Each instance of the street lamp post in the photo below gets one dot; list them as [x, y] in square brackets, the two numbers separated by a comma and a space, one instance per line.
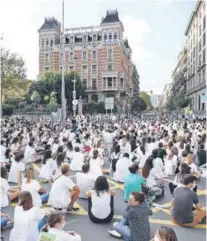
[74, 97]
[63, 102]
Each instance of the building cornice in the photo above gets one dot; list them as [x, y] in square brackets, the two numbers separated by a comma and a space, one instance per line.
[192, 16]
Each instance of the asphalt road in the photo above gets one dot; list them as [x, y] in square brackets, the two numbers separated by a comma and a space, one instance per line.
[80, 223]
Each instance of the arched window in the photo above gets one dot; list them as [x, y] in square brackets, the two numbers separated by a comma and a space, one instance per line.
[115, 36]
[51, 42]
[105, 37]
[110, 36]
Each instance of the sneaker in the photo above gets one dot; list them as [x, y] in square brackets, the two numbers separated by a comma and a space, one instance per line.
[10, 224]
[114, 233]
[72, 209]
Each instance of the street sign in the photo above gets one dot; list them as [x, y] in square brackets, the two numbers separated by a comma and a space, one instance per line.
[74, 107]
[75, 102]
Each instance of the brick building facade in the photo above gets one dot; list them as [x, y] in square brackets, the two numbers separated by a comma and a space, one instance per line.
[100, 55]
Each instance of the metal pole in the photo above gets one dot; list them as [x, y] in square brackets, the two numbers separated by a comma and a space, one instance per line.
[63, 68]
[1, 111]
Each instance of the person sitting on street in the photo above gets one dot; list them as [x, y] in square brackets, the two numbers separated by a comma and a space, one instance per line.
[183, 202]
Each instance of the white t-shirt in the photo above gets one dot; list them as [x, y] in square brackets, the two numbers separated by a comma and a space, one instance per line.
[47, 169]
[29, 154]
[60, 192]
[4, 190]
[2, 153]
[16, 167]
[33, 187]
[77, 161]
[26, 224]
[122, 170]
[95, 168]
[101, 204]
[85, 183]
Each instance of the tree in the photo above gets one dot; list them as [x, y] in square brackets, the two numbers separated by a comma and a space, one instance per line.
[52, 82]
[138, 104]
[53, 101]
[13, 74]
[36, 97]
[146, 98]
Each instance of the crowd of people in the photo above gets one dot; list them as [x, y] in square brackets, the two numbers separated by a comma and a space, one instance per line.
[140, 154]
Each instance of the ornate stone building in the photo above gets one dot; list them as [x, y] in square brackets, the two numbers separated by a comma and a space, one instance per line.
[100, 55]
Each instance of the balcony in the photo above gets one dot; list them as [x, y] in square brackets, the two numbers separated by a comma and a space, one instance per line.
[110, 73]
[110, 88]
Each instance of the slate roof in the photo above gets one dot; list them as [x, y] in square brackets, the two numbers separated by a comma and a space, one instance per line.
[111, 17]
[49, 24]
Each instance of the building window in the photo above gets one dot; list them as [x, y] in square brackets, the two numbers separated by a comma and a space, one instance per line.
[110, 53]
[71, 68]
[122, 83]
[43, 43]
[110, 83]
[199, 30]
[204, 75]
[199, 77]
[194, 52]
[199, 45]
[204, 56]
[110, 67]
[94, 98]
[47, 58]
[51, 42]
[94, 69]
[84, 69]
[199, 102]
[204, 22]
[84, 38]
[110, 36]
[47, 68]
[94, 54]
[85, 83]
[105, 37]
[94, 84]
[71, 39]
[115, 36]
[204, 39]
[84, 54]
[71, 55]
[47, 43]
[114, 82]
[94, 37]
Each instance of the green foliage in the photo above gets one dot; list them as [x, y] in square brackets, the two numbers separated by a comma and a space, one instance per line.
[53, 101]
[146, 98]
[93, 107]
[35, 96]
[138, 104]
[46, 98]
[8, 109]
[51, 82]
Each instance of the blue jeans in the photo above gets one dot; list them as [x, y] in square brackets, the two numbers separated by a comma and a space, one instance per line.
[42, 223]
[4, 222]
[45, 197]
[123, 229]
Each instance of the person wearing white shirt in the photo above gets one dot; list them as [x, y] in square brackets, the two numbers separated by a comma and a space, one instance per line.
[31, 185]
[46, 171]
[17, 169]
[7, 193]
[77, 160]
[101, 202]
[2, 151]
[54, 228]
[96, 164]
[64, 191]
[84, 180]
[29, 153]
[122, 166]
[26, 219]
[55, 146]
[171, 162]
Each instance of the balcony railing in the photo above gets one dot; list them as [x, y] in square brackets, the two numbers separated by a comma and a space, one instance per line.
[109, 88]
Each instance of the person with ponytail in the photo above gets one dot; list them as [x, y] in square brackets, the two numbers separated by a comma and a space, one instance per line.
[54, 229]
[46, 170]
[165, 234]
[31, 185]
[26, 219]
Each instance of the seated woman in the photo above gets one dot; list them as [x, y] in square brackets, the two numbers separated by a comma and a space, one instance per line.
[17, 169]
[135, 222]
[64, 191]
[77, 160]
[7, 193]
[6, 221]
[178, 181]
[26, 219]
[171, 162]
[95, 165]
[54, 227]
[154, 177]
[192, 165]
[122, 168]
[84, 180]
[115, 155]
[46, 171]
[133, 181]
[57, 166]
[101, 202]
[31, 185]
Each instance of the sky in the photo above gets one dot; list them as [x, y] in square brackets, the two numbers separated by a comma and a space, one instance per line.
[155, 30]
